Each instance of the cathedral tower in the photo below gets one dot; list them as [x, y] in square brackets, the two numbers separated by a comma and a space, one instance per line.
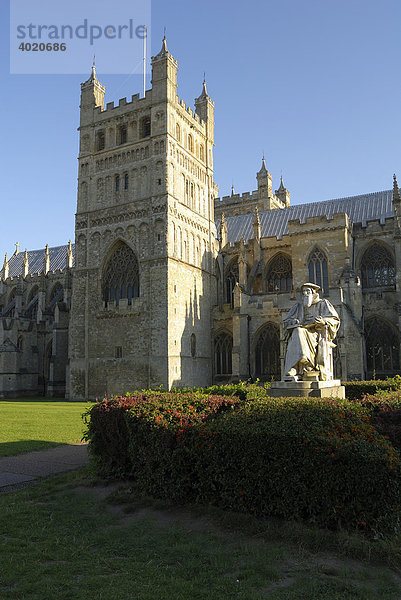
[145, 236]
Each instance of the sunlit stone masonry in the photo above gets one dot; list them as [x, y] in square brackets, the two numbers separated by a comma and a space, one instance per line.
[169, 285]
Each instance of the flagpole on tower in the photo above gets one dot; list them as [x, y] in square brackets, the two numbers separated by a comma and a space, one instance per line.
[144, 61]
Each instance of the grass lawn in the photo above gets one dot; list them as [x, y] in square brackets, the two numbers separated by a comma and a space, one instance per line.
[32, 425]
[71, 538]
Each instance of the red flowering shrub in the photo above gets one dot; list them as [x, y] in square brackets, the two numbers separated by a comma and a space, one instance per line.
[313, 459]
[112, 422]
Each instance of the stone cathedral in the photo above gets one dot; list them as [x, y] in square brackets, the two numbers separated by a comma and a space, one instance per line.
[169, 285]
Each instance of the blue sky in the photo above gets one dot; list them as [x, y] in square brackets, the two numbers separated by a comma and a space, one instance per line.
[315, 85]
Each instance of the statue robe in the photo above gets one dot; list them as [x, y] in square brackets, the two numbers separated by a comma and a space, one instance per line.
[311, 346]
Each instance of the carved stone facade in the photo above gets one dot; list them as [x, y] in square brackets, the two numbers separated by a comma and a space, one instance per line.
[156, 297]
[35, 298]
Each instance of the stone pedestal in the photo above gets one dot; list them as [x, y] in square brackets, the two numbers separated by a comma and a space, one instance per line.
[316, 389]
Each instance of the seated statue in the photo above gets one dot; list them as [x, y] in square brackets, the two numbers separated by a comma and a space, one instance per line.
[311, 326]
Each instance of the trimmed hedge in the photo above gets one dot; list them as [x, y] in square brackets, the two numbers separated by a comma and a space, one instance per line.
[312, 459]
[355, 390]
[244, 390]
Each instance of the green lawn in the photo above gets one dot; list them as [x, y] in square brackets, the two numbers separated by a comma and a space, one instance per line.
[66, 538]
[35, 424]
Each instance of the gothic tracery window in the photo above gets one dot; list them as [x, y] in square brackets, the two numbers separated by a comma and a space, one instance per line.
[279, 274]
[317, 267]
[382, 349]
[231, 278]
[377, 267]
[223, 348]
[267, 354]
[121, 276]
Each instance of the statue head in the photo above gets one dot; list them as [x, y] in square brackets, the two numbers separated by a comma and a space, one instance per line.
[310, 293]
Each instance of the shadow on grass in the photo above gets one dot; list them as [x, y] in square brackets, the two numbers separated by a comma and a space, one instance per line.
[41, 399]
[21, 446]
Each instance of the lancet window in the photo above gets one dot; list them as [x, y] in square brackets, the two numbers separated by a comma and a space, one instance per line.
[231, 278]
[223, 349]
[267, 354]
[318, 272]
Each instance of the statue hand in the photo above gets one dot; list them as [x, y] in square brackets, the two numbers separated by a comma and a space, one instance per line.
[320, 323]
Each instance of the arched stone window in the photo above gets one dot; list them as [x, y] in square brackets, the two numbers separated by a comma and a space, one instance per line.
[230, 279]
[121, 276]
[279, 274]
[9, 309]
[382, 349]
[377, 267]
[267, 354]
[193, 345]
[218, 282]
[178, 132]
[100, 140]
[317, 267]
[57, 295]
[57, 292]
[31, 309]
[223, 350]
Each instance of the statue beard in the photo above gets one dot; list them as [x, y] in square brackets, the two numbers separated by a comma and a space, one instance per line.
[308, 301]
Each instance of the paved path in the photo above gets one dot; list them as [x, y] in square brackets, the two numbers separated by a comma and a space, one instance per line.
[18, 471]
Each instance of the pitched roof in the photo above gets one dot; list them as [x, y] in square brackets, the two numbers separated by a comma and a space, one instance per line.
[274, 223]
[57, 255]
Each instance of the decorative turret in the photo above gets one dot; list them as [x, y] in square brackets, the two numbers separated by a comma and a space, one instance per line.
[242, 263]
[265, 187]
[256, 225]
[6, 267]
[70, 257]
[46, 262]
[283, 194]
[164, 75]
[204, 107]
[223, 231]
[25, 270]
[396, 190]
[397, 208]
[92, 95]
